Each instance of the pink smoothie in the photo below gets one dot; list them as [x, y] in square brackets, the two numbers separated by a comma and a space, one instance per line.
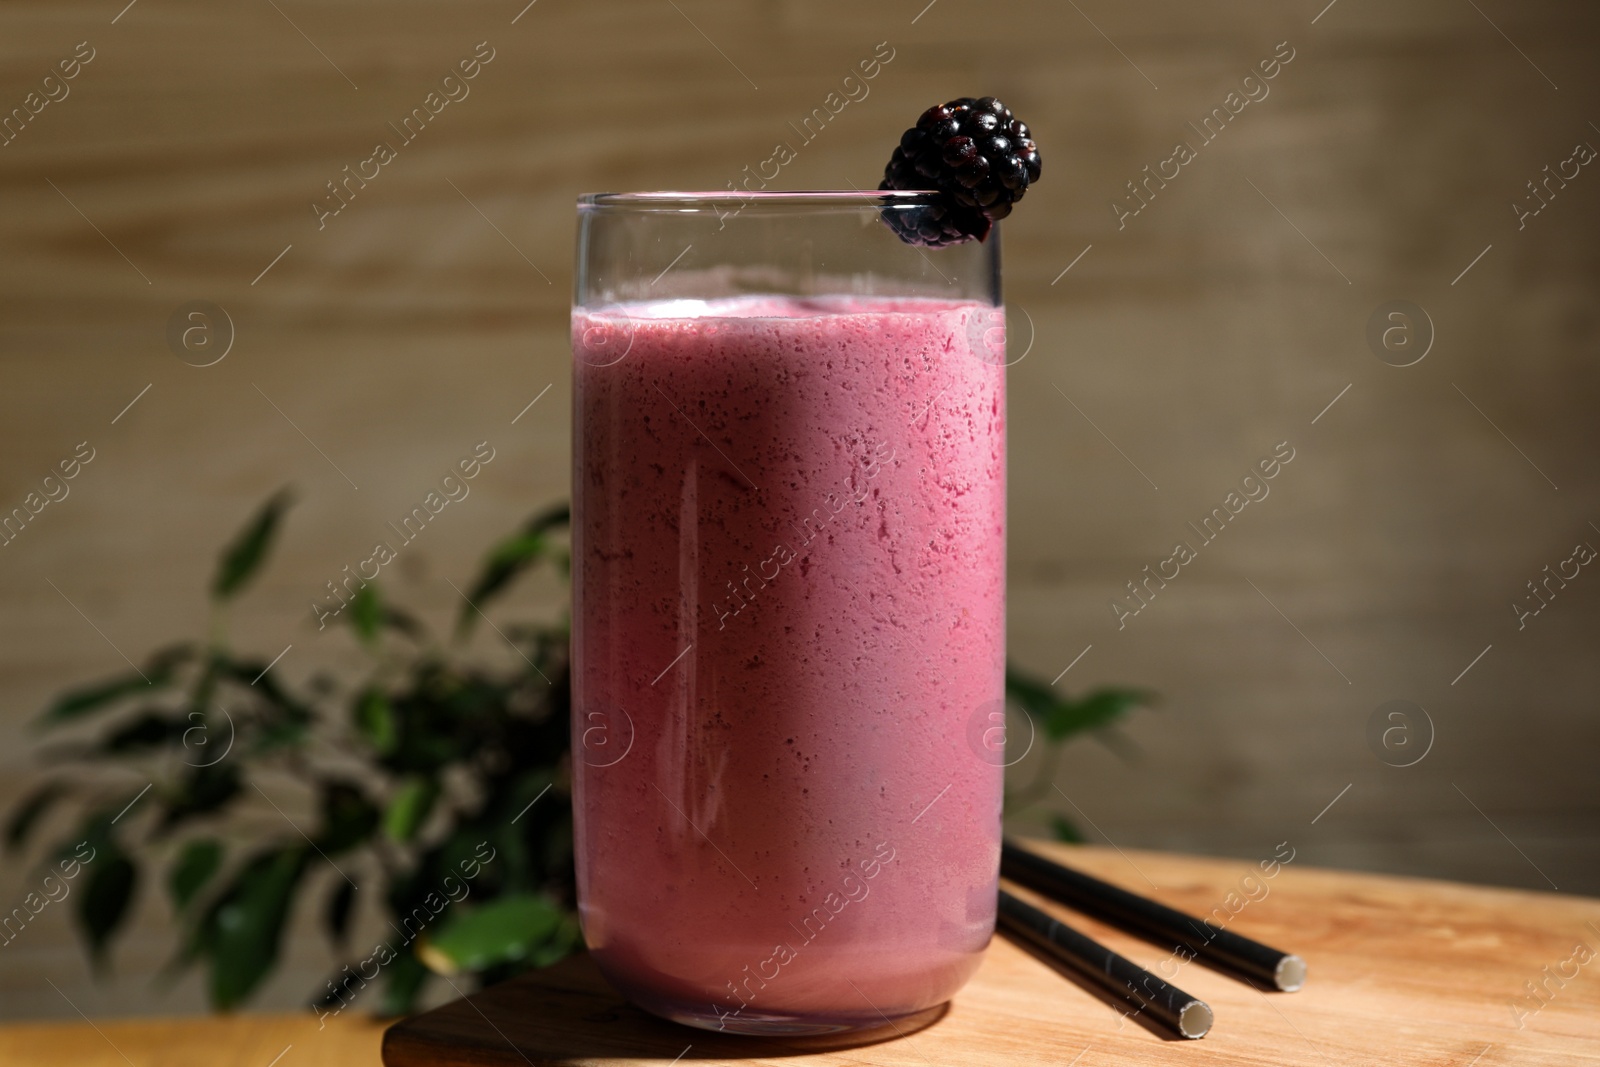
[789, 579]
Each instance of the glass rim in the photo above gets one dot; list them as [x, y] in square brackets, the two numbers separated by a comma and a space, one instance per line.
[674, 201]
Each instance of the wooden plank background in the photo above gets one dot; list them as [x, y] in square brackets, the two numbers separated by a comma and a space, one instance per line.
[186, 154]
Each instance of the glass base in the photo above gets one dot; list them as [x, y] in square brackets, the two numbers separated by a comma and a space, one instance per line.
[853, 1029]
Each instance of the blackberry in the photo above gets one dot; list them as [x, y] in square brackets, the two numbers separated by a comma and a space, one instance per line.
[973, 152]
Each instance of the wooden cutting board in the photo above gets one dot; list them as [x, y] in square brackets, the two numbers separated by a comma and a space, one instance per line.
[1402, 971]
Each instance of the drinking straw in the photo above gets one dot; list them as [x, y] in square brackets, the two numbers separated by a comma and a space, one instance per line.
[1167, 1004]
[1156, 922]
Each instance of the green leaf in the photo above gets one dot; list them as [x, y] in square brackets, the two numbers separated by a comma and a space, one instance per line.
[27, 814]
[151, 729]
[566, 938]
[340, 905]
[248, 550]
[508, 559]
[159, 671]
[348, 817]
[409, 807]
[375, 721]
[1062, 829]
[278, 719]
[1096, 711]
[443, 716]
[405, 978]
[245, 927]
[76, 703]
[366, 614]
[253, 678]
[505, 930]
[1025, 690]
[103, 904]
[1063, 717]
[280, 732]
[196, 863]
[201, 791]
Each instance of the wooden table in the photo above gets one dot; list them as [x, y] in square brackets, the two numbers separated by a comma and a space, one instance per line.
[1402, 971]
[206, 1041]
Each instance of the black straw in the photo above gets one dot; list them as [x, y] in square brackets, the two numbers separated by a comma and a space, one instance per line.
[1207, 942]
[1168, 1004]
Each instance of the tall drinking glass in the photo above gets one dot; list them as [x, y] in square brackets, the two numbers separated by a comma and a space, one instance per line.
[789, 606]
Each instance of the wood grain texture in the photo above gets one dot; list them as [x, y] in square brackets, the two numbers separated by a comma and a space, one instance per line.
[429, 312]
[1401, 971]
[222, 1041]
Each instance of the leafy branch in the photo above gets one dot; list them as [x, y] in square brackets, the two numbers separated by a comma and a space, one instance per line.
[421, 773]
